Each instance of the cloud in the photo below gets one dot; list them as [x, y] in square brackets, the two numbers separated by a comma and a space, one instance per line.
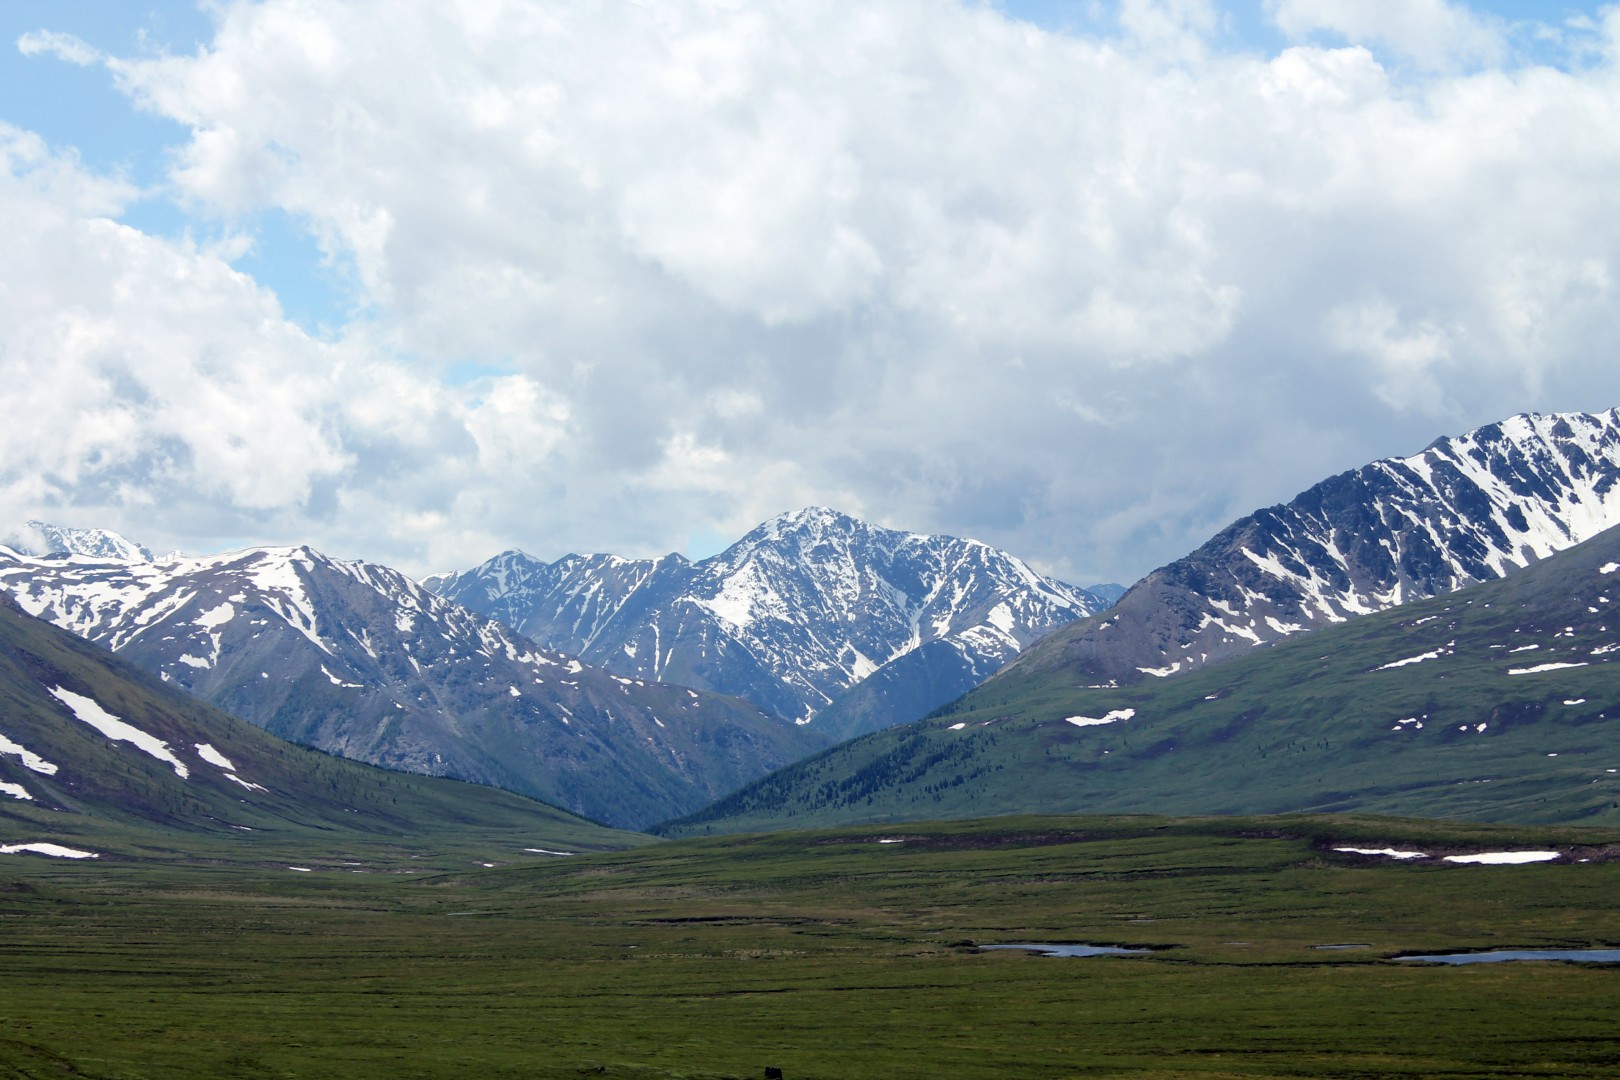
[1087, 297]
[62, 46]
[1405, 359]
[138, 371]
[1435, 34]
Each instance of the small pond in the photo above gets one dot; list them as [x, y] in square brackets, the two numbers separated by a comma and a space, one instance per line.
[1587, 956]
[1073, 950]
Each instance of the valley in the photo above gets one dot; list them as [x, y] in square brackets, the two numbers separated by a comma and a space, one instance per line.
[183, 893]
[830, 954]
[905, 540]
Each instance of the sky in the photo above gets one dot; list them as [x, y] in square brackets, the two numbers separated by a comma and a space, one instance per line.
[1087, 280]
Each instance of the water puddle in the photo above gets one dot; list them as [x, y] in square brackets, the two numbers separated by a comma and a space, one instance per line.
[1073, 950]
[1585, 956]
[1345, 945]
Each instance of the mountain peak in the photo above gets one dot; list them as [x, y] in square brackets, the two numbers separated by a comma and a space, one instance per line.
[815, 520]
[1469, 508]
[793, 615]
[40, 538]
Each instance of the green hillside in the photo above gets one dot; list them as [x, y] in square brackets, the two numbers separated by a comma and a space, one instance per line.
[277, 801]
[1495, 703]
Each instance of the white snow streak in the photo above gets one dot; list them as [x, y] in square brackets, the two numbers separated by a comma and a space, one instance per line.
[214, 757]
[30, 759]
[1389, 853]
[87, 710]
[1411, 660]
[56, 851]
[335, 681]
[1504, 858]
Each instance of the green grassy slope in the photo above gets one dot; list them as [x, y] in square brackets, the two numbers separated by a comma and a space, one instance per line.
[830, 955]
[1323, 721]
[113, 799]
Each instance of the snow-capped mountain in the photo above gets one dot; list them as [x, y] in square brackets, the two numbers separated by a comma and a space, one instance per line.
[42, 538]
[1468, 509]
[358, 660]
[805, 607]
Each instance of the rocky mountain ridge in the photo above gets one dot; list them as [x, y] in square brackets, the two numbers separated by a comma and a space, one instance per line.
[1467, 509]
[794, 616]
[358, 660]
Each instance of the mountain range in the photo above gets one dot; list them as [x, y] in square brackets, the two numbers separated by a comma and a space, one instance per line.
[1496, 702]
[358, 660]
[817, 626]
[816, 617]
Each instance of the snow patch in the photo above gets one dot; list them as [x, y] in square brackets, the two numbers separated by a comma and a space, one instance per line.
[16, 791]
[1388, 853]
[55, 851]
[87, 710]
[1435, 654]
[30, 759]
[207, 752]
[1504, 858]
[1091, 721]
[1543, 667]
[216, 616]
[335, 681]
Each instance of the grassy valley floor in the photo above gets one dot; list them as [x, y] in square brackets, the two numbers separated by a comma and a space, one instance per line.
[833, 954]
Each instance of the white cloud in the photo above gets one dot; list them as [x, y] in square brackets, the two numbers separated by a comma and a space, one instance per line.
[1404, 359]
[138, 371]
[1171, 29]
[1085, 297]
[1436, 34]
[62, 46]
